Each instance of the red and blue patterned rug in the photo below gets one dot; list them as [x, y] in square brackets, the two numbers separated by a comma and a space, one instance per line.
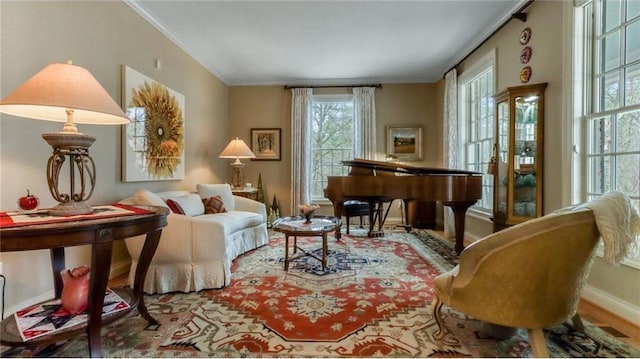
[373, 299]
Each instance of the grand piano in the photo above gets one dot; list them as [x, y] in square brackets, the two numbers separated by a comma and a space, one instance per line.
[379, 182]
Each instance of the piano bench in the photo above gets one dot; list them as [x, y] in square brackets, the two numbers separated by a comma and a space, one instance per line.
[355, 208]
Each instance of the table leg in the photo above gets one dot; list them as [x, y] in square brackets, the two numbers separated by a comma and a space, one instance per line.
[148, 250]
[324, 250]
[295, 244]
[286, 252]
[57, 265]
[100, 265]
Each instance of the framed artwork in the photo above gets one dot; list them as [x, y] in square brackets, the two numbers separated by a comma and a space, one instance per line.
[404, 143]
[153, 141]
[265, 144]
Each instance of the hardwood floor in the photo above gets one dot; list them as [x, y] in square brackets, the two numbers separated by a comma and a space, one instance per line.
[622, 329]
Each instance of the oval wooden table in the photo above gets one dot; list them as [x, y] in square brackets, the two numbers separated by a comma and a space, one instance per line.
[296, 226]
[100, 233]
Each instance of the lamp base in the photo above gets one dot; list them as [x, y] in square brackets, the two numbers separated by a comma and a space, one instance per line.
[74, 149]
[71, 209]
[237, 177]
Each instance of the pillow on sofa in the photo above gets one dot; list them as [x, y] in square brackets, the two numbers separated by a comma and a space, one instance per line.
[213, 205]
[189, 205]
[222, 190]
[147, 198]
[174, 206]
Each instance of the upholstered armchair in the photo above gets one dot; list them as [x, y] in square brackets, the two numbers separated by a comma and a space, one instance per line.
[531, 275]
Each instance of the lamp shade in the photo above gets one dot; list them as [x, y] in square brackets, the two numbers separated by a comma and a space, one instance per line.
[237, 149]
[61, 87]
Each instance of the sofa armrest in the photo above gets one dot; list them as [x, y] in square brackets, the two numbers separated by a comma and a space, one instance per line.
[176, 238]
[249, 205]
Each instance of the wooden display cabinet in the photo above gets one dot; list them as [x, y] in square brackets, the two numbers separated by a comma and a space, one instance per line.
[518, 177]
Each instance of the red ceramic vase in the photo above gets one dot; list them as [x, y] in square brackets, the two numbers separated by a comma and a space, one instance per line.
[75, 292]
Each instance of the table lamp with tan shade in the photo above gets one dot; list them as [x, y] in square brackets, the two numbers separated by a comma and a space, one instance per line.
[70, 94]
[237, 149]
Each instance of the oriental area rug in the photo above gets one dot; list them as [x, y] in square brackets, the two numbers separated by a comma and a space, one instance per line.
[373, 299]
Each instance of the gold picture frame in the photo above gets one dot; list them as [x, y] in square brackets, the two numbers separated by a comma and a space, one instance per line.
[265, 144]
[404, 143]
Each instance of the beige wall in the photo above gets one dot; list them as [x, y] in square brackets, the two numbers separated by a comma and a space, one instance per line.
[100, 36]
[270, 107]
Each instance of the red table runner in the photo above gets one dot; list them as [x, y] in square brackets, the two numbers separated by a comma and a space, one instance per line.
[17, 219]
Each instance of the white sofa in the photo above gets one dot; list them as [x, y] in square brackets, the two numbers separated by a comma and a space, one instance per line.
[196, 249]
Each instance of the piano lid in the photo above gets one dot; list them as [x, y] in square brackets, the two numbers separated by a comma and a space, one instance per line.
[405, 169]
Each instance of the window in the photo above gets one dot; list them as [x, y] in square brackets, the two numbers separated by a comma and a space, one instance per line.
[610, 117]
[477, 127]
[332, 135]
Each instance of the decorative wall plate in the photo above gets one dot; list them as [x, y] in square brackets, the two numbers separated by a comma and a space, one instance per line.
[525, 55]
[525, 74]
[525, 36]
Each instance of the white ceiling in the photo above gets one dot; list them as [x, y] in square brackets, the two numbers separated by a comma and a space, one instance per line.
[327, 42]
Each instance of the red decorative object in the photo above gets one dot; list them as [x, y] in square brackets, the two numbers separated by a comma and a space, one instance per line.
[75, 292]
[525, 55]
[28, 202]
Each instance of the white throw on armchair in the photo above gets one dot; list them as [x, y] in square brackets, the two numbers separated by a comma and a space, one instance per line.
[196, 248]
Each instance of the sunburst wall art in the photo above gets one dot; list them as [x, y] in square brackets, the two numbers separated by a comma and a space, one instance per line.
[153, 142]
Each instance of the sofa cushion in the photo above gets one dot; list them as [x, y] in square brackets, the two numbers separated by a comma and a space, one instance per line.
[174, 193]
[213, 205]
[222, 190]
[174, 206]
[147, 198]
[190, 205]
[233, 221]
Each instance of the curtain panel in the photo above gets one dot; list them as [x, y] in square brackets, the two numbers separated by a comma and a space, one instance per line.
[300, 144]
[450, 136]
[365, 122]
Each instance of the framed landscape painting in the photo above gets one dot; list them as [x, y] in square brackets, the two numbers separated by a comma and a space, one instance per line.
[265, 144]
[404, 143]
[153, 141]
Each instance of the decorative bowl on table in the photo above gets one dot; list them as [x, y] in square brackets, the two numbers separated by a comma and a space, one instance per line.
[306, 210]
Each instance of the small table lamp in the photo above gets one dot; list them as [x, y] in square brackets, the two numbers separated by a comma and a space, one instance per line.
[70, 94]
[237, 149]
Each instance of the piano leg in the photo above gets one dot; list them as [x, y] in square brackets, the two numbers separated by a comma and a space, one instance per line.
[376, 209]
[338, 209]
[407, 221]
[459, 211]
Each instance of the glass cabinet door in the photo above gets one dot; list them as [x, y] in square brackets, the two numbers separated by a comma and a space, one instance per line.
[524, 154]
[519, 144]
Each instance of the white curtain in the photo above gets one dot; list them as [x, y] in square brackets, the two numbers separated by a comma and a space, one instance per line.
[300, 145]
[450, 135]
[365, 122]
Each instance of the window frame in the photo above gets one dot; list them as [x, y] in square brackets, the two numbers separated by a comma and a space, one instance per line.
[588, 102]
[326, 98]
[486, 63]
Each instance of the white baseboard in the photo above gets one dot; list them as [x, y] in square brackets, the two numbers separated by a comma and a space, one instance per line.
[612, 304]
[117, 270]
